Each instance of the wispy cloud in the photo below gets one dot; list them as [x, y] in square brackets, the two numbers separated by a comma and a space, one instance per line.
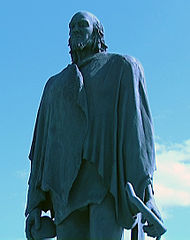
[172, 180]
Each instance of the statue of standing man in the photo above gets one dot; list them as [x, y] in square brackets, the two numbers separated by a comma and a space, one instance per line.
[93, 134]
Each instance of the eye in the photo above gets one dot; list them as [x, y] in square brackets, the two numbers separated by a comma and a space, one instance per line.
[83, 23]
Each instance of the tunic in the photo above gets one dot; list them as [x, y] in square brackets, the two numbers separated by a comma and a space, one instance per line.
[98, 112]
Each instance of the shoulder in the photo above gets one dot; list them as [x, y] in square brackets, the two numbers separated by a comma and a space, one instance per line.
[131, 67]
[127, 60]
[53, 79]
[135, 63]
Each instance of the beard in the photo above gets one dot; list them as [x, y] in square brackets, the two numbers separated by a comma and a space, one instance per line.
[80, 45]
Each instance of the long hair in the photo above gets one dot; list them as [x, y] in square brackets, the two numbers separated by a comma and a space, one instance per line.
[97, 39]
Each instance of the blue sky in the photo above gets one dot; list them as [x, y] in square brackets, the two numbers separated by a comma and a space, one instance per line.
[34, 36]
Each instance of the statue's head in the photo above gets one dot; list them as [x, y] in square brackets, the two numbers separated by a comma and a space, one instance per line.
[86, 34]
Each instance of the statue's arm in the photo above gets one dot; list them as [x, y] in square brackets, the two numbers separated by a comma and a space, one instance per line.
[155, 227]
[144, 132]
[37, 199]
[33, 218]
[33, 211]
[37, 202]
[149, 200]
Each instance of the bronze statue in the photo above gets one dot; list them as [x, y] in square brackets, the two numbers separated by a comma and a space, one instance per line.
[93, 135]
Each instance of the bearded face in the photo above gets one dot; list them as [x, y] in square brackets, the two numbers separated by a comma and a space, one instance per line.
[80, 44]
[81, 31]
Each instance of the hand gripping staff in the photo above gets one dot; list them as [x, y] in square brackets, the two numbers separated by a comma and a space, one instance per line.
[151, 218]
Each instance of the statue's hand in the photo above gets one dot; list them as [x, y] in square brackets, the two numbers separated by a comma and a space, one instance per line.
[32, 219]
[150, 212]
[149, 200]
[150, 229]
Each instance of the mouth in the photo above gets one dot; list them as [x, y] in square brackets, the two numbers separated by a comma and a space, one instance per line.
[76, 38]
[76, 35]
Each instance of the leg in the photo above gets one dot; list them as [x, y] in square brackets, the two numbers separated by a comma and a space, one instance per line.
[103, 224]
[75, 226]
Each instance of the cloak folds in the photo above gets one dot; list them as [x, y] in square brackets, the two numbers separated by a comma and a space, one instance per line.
[98, 112]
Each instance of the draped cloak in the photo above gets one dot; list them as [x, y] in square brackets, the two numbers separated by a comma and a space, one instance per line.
[96, 111]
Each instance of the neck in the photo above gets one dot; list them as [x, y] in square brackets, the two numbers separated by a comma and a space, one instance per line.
[83, 54]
